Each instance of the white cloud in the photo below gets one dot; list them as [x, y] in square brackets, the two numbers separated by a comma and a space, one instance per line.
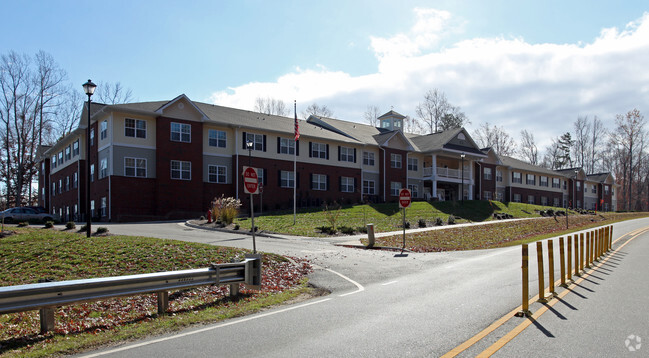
[509, 82]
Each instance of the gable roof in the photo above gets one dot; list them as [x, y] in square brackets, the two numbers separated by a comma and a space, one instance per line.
[392, 113]
[441, 141]
[522, 165]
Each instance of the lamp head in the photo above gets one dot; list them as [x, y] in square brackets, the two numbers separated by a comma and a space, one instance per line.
[89, 87]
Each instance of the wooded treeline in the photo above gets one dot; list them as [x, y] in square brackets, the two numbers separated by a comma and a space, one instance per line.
[38, 106]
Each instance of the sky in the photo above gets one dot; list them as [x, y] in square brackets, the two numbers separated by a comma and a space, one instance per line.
[523, 65]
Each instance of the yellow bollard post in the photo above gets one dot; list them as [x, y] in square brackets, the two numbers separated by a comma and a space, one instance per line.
[581, 252]
[587, 262]
[598, 246]
[577, 255]
[569, 258]
[610, 238]
[525, 312]
[562, 265]
[539, 260]
[551, 268]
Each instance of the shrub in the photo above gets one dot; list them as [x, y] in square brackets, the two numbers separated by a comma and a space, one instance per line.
[102, 230]
[362, 229]
[225, 209]
[83, 228]
[23, 224]
[326, 230]
[550, 212]
[422, 223]
[49, 224]
[236, 226]
[451, 220]
[406, 224]
[201, 218]
[439, 222]
[70, 225]
[332, 215]
[347, 230]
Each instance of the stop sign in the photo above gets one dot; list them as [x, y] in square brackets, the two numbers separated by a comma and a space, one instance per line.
[404, 198]
[250, 180]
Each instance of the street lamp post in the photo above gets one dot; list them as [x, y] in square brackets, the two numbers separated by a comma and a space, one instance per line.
[249, 145]
[89, 89]
[462, 193]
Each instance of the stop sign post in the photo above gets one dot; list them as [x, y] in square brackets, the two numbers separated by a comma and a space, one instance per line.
[251, 186]
[405, 199]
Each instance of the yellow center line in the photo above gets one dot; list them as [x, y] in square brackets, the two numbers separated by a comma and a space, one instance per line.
[492, 327]
[521, 327]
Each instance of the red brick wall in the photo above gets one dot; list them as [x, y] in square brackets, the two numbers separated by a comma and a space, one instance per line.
[392, 174]
[537, 195]
[481, 184]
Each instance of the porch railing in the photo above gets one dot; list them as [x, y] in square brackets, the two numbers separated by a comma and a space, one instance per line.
[446, 173]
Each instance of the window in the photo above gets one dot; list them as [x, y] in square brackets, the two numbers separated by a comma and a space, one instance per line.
[92, 208]
[181, 170]
[368, 158]
[565, 184]
[414, 190]
[135, 167]
[103, 132]
[319, 182]
[413, 164]
[368, 187]
[318, 150]
[530, 179]
[60, 186]
[257, 141]
[347, 184]
[286, 179]
[68, 153]
[218, 174]
[499, 175]
[92, 137]
[487, 195]
[135, 128]
[261, 176]
[556, 183]
[487, 173]
[53, 189]
[92, 172]
[395, 160]
[53, 161]
[594, 189]
[216, 138]
[61, 158]
[517, 178]
[606, 189]
[103, 206]
[578, 204]
[395, 186]
[530, 199]
[75, 180]
[555, 202]
[578, 184]
[500, 196]
[67, 183]
[75, 148]
[346, 154]
[181, 132]
[543, 181]
[286, 146]
[103, 168]
[544, 200]
[585, 188]
[517, 198]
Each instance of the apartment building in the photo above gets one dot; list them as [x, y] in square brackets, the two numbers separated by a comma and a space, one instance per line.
[169, 159]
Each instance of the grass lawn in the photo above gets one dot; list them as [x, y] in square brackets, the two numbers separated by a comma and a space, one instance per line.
[385, 217]
[500, 234]
[32, 254]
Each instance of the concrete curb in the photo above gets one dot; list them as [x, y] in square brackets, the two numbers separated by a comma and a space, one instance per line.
[244, 232]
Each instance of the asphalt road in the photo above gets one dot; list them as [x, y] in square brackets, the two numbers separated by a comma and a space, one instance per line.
[419, 305]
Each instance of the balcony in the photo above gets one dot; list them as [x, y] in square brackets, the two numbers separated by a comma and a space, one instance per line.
[446, 173]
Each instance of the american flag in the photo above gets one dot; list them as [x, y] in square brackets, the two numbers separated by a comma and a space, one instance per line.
[297, 126]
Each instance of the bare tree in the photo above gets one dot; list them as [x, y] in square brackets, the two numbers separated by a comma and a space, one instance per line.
[319, 111]
[67, 117]
[113, 93]
[528, 149]
[270, 106]
[596, 137]
[431, 111]
[455, 118]
[582, 142]
[496, 138]
[629, 138]
[371, 116]
[552, 155]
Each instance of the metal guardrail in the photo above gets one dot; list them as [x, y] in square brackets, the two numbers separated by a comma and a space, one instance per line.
[47, 296]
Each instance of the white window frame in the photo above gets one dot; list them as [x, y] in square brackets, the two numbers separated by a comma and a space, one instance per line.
[318, 150]
[92, 137]
[347, 184]
[75, 180]
[530, 179]
[92, 172]
[68, 153]
[346, 154]
[517, 198]
[487, 173]
[287, 179]
[54, 162]
[287, 146]
[413, 164]
[414, 190]
[217, 138]
[518, 180]
[181, 132]
[369, 187]
[137, 165]
[556, 183]
[103, 168]
[75, 148]
[368, 158]
[133, 129]
[487, 195]
[319, 182]
[181, 170]
[395, 161]
[103, 134]
[545, 183]
[217, 174]
[257, 141]
[531, 199]
[499, 175]
[395, 187]
[102, 208]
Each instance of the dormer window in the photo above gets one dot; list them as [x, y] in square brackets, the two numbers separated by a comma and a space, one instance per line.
[396, 123]
[386, 124]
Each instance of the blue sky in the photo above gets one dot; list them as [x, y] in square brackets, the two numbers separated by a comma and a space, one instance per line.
[532, 65]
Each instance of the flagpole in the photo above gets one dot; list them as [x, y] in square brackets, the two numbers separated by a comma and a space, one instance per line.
[296, 130]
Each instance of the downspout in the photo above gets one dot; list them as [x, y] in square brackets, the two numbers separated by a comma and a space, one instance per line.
[384, 169]
[361, 183]
[480, 181]
[78, 186]
[236, 153]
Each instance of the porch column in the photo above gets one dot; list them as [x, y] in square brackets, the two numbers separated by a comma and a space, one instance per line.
[434, 175]
[470, 192]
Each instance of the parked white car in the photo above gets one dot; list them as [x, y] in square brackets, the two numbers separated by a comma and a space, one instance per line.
[26, 214]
